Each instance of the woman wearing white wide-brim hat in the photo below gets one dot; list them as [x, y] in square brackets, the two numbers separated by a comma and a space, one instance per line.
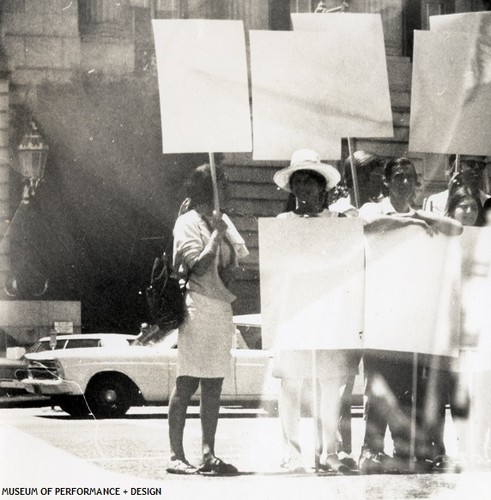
[309, 180]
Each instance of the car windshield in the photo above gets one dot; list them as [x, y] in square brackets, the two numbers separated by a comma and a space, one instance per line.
[43, 345]
[76, 343]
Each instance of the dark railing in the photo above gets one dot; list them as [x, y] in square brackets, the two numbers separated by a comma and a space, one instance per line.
[322, 8]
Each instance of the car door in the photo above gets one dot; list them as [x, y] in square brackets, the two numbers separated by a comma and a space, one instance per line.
[253, 375]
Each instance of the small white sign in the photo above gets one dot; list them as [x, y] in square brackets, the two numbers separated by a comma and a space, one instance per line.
[63, 326]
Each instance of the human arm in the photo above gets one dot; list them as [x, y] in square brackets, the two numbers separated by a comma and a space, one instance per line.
[208, 254]
[445, 225]
[384, 223]
[431, 222]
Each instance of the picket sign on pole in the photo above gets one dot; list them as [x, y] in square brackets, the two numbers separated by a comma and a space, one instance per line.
[203, 86]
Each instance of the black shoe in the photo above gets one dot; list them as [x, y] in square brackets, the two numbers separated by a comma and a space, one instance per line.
[333, 464]
[404, 465]
[397, 465]
[349, 462]
[372, 462]
[443, 464]
[423, 466]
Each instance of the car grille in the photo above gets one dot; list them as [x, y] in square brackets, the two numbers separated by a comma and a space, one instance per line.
[47, 369]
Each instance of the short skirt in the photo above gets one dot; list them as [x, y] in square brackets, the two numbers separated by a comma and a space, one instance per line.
[205, 338]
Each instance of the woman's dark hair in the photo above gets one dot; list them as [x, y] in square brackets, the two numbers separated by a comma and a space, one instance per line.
[199, 185]
[312, 173]
[365, 164]
[394, 163]
[457, 195]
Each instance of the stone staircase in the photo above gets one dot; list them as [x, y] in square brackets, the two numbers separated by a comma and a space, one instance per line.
[253, 193]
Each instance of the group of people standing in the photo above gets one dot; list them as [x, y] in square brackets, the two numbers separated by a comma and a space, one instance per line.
[207, 247]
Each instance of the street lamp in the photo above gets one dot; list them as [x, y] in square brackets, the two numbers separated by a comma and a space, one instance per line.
[32, 154]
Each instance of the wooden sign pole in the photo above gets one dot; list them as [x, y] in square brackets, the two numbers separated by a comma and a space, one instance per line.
[216, 199]
[354, 174]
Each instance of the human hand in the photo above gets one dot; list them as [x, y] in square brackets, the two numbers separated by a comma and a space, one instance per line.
[455, 182]
[218, 223]
[440, 224]
[430, 229]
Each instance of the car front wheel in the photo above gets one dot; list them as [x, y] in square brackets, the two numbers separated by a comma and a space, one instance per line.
[108, 397]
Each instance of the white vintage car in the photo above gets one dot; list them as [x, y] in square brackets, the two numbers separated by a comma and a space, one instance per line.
[108, 380]
[77, 340]
[14, 369]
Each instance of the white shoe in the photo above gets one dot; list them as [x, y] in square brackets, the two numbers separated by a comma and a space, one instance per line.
[293, 464]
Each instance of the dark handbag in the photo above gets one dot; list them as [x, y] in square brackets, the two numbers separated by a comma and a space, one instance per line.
[166, 296]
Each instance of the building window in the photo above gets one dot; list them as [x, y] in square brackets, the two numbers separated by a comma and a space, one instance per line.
[104, 17]
[144, 12]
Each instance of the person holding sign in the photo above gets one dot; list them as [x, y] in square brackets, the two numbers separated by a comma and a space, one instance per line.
[469, 173]
[309, 179]
[445, 383]
[207, 247]
[389, 375]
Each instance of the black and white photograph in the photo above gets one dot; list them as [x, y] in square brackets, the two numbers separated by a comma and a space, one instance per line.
[245, 249]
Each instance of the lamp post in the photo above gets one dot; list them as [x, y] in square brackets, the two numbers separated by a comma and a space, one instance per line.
[32, 154]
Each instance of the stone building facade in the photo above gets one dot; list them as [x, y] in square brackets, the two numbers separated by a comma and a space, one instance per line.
[100, 52]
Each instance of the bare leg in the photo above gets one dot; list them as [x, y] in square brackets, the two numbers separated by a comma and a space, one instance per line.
[178, 405]
[345, 415]
[211, 389]
[289, 413]
[329, 410]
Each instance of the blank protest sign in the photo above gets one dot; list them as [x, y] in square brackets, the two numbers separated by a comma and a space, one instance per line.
[412, 292]
[357, 47]
[465, 22]
[311, 276]
[443, 120]
[309, 89]
[476, 288]
[204, 94]
[289, 87]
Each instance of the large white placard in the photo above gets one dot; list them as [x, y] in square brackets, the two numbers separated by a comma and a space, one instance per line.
[358, 61]
[309, 89]
[289, 85]
[445, 117]
[476, 288]
[311, 273]
[204, 93]
[412, 292]
[466, 22]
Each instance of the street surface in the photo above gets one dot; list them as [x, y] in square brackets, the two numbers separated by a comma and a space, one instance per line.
[44, 447]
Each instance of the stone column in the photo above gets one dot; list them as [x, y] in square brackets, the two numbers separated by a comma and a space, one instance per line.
[4, 183]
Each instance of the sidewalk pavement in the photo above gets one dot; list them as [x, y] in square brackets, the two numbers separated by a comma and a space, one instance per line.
[31, 463]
